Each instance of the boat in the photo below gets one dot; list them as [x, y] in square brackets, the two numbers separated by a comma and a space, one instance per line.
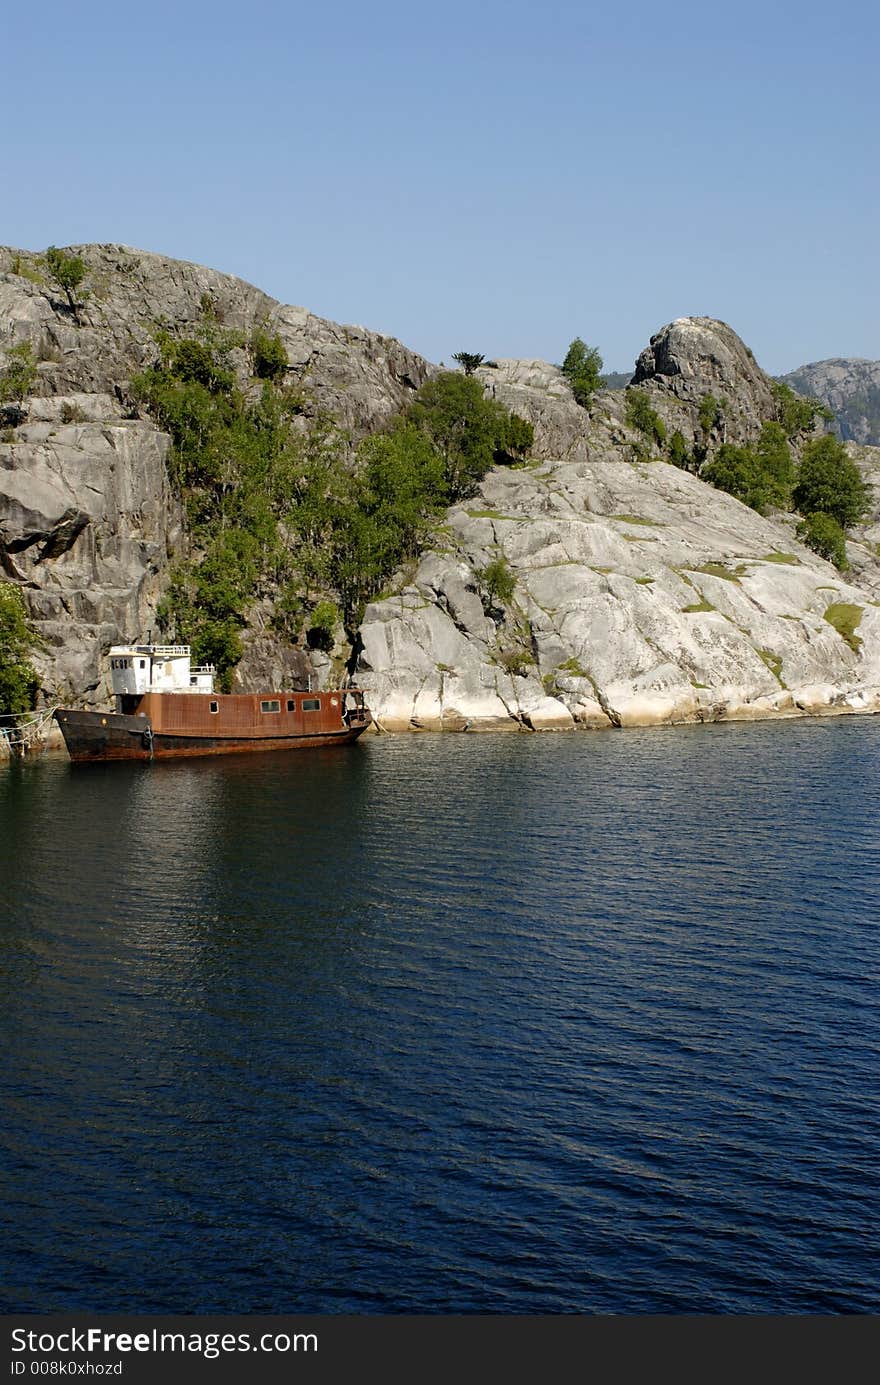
[166, 707]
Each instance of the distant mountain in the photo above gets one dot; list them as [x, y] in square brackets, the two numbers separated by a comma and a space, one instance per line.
[851, 388]
[617, 379]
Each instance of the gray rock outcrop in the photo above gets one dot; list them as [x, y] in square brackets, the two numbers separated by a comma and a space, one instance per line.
[641, 597]
[88, 523]
[696, 356]
[642, 594]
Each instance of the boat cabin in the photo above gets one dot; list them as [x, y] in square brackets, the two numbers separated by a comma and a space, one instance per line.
[148, 668]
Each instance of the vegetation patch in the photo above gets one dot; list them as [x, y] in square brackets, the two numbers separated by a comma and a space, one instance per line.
[644, 581]
[498, 581]
[495, 514]
[825, 536]
[515, 659]
[26, 268]
[761, 476]
[296, 519]
[773, 662]
[845, 617]
[791, 559]
[639, 519]
[573, 668]
[641, 416]
[18, 681]
[830, 482]
[697, 606]
[797, 413]
[721, 570]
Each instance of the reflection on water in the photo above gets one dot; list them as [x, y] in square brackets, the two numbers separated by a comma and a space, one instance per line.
[514, 1023]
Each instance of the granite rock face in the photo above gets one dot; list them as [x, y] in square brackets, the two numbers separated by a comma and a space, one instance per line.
[851, 389]
[359, 377]
[88, 523]
[696, 356]
[642, 597]
[87, 526]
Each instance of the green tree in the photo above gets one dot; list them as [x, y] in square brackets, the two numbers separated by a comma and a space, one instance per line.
[515, 439]
[322, 625]
[830, 482]
[18, 376]
[468, 430]
[68, 271]
[825, 536]
[795, 412]
[678, 451]
[640, 415]
[19, 683]
[269, 356]
[776, 465]
[582, 369]
[468, 360]
[737, 471]
[499, 581]
[711, 413]
[759, 476]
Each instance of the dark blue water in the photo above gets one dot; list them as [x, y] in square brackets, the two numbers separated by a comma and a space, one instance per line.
[504, 1023]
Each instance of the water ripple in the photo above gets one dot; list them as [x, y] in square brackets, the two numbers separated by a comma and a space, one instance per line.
[503, 1024]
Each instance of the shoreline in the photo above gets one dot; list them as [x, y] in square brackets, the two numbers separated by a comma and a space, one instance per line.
[457, 725]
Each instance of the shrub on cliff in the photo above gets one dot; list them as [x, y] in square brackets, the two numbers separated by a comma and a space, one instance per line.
[711, 414]
[759, 476]
[797, 413]
[18, 681]
[825, 536]
[830, 483]
[499, 583]
[269, 356]
[68, 271]
[470, 432]
[582, 369]
[640, 415]
[293, 518]
[469, 360]
[18, 375]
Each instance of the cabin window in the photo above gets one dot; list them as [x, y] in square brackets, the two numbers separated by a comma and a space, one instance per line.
[291, 704]
[272, 705]
[311, 704]
[143, 663]
[215, 707]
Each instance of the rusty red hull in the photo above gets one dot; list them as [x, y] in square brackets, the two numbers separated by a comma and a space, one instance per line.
[169, 726]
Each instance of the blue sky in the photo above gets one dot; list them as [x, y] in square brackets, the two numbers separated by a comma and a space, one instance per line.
[484, 177]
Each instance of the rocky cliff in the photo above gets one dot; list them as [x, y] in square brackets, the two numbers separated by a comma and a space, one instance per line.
[88, 523]
[640, 594]
[851, 389]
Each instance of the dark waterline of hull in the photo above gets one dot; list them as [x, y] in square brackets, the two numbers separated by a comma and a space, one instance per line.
[501, 1024]
[97, 736]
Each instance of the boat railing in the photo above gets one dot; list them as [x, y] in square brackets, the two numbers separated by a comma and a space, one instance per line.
[26, 731]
